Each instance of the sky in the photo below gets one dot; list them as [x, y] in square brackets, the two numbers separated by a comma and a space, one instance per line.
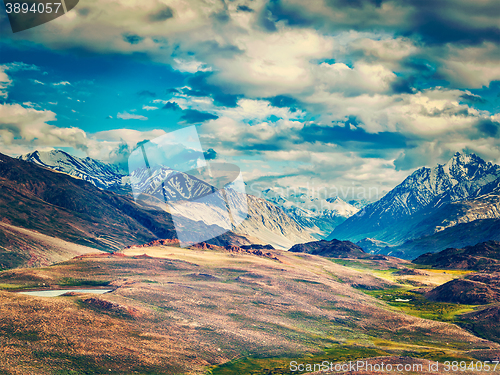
[335, 94]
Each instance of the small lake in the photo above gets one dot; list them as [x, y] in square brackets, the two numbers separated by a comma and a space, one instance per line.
[59, 292]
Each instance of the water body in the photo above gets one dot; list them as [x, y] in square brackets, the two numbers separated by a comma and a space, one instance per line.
[59, 292]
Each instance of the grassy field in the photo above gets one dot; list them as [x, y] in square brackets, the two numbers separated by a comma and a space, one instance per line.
[409, 302]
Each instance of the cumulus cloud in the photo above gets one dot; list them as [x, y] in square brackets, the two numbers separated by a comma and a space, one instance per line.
[26, 126]
[343, 89]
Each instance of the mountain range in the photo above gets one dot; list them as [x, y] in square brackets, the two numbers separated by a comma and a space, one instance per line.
[429, 210]
[456, 204]
[266, 222]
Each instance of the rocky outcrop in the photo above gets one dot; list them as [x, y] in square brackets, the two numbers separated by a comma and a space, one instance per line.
[333, 249]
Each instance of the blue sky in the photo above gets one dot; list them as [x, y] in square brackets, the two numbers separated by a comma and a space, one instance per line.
[322, 93]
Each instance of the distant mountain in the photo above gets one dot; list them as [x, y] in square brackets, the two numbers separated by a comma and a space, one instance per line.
[429, 201]
[319, 215]
[98, 173]
[333, 249]
[484, 256]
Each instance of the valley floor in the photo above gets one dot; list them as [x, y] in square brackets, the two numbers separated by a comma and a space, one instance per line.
[194, 311]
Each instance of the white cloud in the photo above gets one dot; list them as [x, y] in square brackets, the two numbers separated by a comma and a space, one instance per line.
[16, 66]
[38, 82]
[149, 108]
[63, 83]
[130, 116]
[192, 66]
[272, 64]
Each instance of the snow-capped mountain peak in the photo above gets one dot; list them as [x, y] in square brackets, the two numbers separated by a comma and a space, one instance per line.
[98, 173]
[463, 177]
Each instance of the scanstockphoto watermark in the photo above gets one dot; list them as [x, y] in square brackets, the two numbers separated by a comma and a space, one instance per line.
[355, 366]
[387, 367]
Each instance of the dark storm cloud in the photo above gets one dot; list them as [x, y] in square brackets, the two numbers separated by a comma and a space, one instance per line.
[193, 116]
[146, 93]
[350, 136]
[244, 8]
[275, 12]
[162, 15]
[132, 39]
[456, 22]
[489, 128]
[282, 101]
[435, 22]
[475, 99]
[200, 87]
[172, 106]
[83, 11]
[403, 85]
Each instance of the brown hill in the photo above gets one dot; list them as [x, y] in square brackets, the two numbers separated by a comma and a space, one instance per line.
[333, 249]
[476, 289]
[485, 323]
[484, 256]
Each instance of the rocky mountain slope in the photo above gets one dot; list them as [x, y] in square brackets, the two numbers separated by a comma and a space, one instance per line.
[484, 256]
[429, 201]
[265, 222]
